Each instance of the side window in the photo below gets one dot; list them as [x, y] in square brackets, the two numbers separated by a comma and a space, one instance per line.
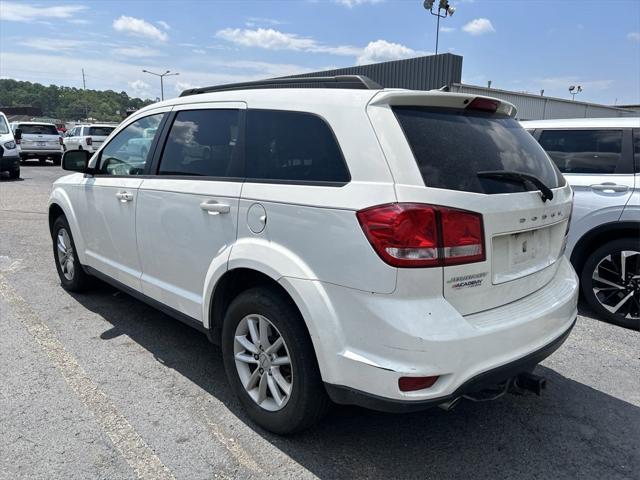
[292, 146]
[636, 150]
[128, 152]
[202, 143]
[583, 151]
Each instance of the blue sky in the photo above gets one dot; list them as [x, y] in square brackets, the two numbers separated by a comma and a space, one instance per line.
[525, 45]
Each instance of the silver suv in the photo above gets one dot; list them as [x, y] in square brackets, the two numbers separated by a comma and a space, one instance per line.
[600, 157]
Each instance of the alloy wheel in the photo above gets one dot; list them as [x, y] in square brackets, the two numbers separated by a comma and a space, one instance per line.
[616, 283]
[262, 362]
[65, 254]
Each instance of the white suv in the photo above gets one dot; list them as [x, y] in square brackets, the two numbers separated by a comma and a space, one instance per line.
[87, 137]
[600, 157]
[392, 249]
[38, 140]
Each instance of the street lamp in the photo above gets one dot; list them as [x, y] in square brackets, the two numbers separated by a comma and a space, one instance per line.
[161, 75]
[443, 6]
[573, 90]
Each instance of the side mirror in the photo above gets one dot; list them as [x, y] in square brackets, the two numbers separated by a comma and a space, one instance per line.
[76, 161]
[17, 134]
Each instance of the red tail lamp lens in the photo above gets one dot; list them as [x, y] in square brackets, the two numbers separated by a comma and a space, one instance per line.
[419, 235]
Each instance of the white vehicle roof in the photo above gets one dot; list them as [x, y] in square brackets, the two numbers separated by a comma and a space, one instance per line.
[304, 99]
[96, 125]
[34, 123]
[616, 122]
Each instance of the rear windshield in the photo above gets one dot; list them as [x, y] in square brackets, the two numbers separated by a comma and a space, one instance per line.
[38, 129]
[99, 131]
[4, 128]
[452, 146]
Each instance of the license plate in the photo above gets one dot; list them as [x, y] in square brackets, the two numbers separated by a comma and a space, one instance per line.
[41, 144]
[526, 247]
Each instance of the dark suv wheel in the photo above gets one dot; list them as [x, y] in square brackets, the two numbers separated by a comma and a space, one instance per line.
[15, 173]
[270, 362]
[610, 282]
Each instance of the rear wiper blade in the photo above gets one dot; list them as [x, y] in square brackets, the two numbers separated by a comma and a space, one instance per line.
[545, 191]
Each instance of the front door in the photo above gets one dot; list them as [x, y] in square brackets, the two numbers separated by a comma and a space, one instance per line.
[187, 211]
[107, 210]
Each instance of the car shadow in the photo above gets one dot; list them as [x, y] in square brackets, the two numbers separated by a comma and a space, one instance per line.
[4, 177]
[571, 431]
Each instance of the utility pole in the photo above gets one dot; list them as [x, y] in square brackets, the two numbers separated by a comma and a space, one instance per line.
[84, 83]
[444, 10]
[84, 87]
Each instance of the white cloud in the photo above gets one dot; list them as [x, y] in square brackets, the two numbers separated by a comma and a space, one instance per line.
[140, 88]
[164, 24]
[633, 36]
[137, 52]
[255, 21]
[355, 3]
[479, 26]
[113, 74]
[447, 29]
[271, 39]
[382, 51]
[24, 12]
[267, 38]
[47, 44]
[199, 51]
[139, 27]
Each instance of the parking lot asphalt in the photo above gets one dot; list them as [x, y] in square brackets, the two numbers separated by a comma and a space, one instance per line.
[99, 385]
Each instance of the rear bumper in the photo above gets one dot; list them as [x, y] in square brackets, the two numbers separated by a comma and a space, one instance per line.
[39, 153]
[366, 342]
[348, 396]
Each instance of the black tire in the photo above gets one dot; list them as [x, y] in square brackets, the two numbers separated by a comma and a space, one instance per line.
[80, 280]
[14, 174]
[57, 160]
[610, 270]
[308, 401]
[42, 160]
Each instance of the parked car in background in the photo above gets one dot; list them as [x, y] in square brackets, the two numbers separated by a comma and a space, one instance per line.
[40, 141]
[87, 137]
[392, 249]
[600, 158]
[10, 161]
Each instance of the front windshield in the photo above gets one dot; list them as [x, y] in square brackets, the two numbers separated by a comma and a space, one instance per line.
[4, 128]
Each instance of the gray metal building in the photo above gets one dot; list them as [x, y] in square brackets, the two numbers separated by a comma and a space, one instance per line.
[436, 71]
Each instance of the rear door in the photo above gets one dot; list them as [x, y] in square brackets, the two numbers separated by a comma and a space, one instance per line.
[187, 211]
[445, 149]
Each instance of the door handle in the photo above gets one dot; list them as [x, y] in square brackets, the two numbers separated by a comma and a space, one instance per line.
[124, 196]
[215, 208]
[609, 187]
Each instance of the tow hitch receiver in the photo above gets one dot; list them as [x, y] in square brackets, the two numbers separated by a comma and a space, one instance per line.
[531, 382]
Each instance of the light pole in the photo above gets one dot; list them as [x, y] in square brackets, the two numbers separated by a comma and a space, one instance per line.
[573, 90]
[161, 75]
[443, 6]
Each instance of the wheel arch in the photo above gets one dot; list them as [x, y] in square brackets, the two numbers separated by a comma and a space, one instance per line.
[598, 236]
[60, 204]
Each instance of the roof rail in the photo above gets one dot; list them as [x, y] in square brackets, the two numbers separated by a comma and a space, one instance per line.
[340, 81]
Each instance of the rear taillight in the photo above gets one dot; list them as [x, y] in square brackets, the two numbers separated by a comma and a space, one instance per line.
[89, 141]
[419, 235]
[411, 384]
[18, 140]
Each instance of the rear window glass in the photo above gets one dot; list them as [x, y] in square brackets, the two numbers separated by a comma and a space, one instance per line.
[452, 146]
[4, 128]
[583, 151]
[99, 131]
[38, 129]
[292, 146]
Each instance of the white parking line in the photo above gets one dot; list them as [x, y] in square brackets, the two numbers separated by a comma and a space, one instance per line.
[140, 457]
